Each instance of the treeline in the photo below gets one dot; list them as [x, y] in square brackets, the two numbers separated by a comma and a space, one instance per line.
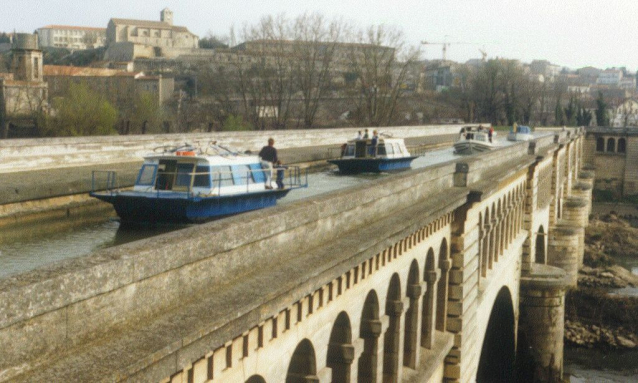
[502, 92]
[289, 70]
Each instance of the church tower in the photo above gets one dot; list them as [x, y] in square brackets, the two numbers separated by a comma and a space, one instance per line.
[27, 58]
[166, 15]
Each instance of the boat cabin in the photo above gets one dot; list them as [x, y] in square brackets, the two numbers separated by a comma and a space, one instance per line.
[386, 148]
[200, 175]
[521, 129]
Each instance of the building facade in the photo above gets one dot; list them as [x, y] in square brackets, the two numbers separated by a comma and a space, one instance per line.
[119, 87]
[23, 91]
[71, 37]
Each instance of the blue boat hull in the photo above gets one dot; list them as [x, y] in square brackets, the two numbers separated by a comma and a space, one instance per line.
[372, 165]
[178, 208]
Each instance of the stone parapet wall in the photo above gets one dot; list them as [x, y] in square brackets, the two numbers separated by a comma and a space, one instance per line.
[46, 153]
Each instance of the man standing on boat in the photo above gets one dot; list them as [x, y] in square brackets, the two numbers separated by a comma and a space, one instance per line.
[268, 156]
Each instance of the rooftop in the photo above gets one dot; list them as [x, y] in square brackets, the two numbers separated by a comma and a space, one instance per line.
[150, 24]
[61, 70]
[53, 26]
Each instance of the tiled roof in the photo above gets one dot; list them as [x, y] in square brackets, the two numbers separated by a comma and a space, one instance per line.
[74, 28]
[61, 70]
[150, 24]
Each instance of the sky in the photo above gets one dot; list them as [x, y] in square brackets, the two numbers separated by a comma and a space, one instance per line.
[572, 33]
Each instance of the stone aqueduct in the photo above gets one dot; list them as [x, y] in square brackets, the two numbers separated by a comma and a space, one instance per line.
[456, 272]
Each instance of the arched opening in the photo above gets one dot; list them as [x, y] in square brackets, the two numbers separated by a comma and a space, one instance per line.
[256, 379]
[600, 144]
[622, 145]
[429, 304]
[611, 145]
[410, 345]
[303, 364]
[540, 246]
[392, 338]
[493, 243]
[498, 352]
[369, 332]
[340, 349]
[442, 288]
[486, 244]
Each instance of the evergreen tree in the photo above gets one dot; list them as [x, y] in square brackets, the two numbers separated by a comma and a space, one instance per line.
[559, 115]
[601, 111]
[570, 112]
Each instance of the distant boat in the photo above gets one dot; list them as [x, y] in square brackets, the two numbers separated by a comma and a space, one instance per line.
[473, 141]
[188, 184]
[520, 133]
[360, 156]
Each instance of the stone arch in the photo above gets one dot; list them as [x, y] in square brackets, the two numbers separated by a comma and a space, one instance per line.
[493, 243]
[256, 379]
[541, 252]
[303, 364]
[500, 212]
[611, 145]
[411, 331]
[370, 330]
[340, 349]
[429, 301]
[443, 285]
[622, 145]
[496, 363]
[600, 144]
[392, 338]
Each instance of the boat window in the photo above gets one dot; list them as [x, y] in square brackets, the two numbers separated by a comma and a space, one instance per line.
[165, 174]
[147, 175]
[258, 174]
[202, 176]
[389, 149]
[381, 150]
[223, 176]
[361, 149]
[244, 173]
[349, 151]
[397, 148]
[184, 175]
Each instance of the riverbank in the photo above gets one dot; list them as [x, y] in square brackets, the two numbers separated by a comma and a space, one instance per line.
[601, 315]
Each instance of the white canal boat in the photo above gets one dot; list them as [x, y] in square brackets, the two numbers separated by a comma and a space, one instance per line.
[190, 184]
[520, 133]
[474, 141]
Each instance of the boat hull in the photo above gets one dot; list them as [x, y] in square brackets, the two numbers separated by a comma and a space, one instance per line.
[519, 137]
[179, 208]
[372, 165]
[471, 147]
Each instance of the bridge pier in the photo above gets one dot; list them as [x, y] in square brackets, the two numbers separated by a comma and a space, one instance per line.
[541, 327]
[575, 213]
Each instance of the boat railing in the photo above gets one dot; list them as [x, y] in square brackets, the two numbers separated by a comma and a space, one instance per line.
[104, 180]
[292, 178]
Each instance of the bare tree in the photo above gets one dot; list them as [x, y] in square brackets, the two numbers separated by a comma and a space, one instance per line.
[379, 61]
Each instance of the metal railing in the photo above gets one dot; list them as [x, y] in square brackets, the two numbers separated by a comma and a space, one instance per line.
[104, 180]
[293, 177]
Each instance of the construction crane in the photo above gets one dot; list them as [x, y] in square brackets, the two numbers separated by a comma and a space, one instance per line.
[446, 44]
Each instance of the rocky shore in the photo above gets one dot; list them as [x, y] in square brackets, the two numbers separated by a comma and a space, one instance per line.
[596, 315]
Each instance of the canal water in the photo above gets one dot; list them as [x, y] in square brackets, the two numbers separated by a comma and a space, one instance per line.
[32, 251]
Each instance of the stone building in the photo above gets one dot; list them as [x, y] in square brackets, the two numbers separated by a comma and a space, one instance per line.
[128, 39]
[119, 87]
[71, 37]
[23, 91]
[613, 153]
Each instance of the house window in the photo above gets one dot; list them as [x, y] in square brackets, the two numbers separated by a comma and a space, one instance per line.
[622, 145]
[36, 67]
[600, 144]
[611, 145]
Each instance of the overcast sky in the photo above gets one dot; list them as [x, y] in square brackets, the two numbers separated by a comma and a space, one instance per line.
[573, 33]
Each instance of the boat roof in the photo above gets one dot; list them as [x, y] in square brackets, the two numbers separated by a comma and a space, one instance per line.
[381, 140]
[212, 153]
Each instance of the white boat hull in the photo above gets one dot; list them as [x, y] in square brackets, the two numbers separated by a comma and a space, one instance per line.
[519, 136]
[472, 146]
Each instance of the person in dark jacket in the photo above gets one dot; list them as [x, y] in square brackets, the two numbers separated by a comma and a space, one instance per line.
[268, 156]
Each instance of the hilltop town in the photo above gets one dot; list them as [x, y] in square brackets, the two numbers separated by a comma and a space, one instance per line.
[154, 76]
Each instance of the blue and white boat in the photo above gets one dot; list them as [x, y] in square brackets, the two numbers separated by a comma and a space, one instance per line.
[520, 133]
[188, 184]
[361, 156]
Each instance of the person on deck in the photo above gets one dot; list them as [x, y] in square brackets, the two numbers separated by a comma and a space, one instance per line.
[366, 135]
[490, 133]
[268, 155]
[281, 173]
[359, 136]
[373, 143]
